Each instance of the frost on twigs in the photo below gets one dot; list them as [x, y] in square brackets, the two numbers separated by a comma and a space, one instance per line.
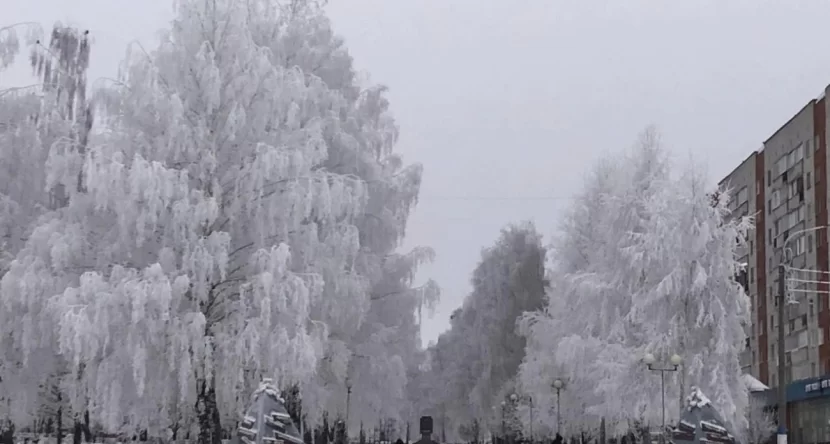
[10, 40]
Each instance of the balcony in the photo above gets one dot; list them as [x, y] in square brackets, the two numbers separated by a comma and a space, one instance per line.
[796, 341]
[796, 201]
[746, 358]
[794, 171]
[800, 356]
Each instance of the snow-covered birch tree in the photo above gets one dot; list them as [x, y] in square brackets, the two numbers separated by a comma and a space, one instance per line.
[211, 227]
[645, 263]
[37, 120]
[374, 340]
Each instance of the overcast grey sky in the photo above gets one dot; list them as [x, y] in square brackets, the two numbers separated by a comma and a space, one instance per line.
[508, 103]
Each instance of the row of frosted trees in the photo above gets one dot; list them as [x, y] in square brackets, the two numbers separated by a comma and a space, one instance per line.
[552, 337]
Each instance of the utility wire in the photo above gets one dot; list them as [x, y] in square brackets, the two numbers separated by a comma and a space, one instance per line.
[495, 198]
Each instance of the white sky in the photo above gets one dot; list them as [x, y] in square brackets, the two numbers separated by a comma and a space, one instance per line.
[508, 103]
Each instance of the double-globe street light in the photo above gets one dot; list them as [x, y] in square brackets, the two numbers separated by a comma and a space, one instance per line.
[675, 361]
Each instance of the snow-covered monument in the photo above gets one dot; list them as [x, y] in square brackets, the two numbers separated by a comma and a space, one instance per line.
[700, 423]
[266, 420]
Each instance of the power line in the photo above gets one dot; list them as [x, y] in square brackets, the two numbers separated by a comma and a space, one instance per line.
[496, 198]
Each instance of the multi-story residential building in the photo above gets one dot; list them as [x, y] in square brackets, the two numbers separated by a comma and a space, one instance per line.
[784, 185]
[789, 180]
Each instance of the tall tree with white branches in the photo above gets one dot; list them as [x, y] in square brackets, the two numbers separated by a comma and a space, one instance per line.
[645, 263]
[218, 221]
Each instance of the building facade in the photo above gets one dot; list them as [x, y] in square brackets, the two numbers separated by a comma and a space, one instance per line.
[748, 200]
[784, 186]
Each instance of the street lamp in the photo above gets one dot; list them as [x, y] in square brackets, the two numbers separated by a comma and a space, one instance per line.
[514, 398]
[348, 404]
[675, 361]
[558, 385]
[503, 430]
[530, 403]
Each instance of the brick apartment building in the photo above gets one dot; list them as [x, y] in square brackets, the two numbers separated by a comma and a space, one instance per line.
[784, 185]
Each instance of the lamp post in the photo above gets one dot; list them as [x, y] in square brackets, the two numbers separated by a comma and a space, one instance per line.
[558, 385]
[530, 404]
[348, 404]
[514, 398]
[503, 431]
[675, 361]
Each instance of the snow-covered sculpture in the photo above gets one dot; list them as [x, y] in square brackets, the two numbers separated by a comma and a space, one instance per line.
[267, 421]
[700, 423]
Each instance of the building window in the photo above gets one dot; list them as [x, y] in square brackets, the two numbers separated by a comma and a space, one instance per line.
[810, 243]
[781, 166]
[775, 199]
[791, 325]
[799, 246]
[809, 185]
[769, 177]
[793, 189]
[743, 195]
[804, 320]
[812, 308]
[751, 274]
[795, 156]
[751, 247]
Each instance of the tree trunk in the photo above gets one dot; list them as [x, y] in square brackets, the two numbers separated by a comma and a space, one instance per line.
[77, 433]
[210, 427]
[59, 420]
[86, 429]
[7, 434]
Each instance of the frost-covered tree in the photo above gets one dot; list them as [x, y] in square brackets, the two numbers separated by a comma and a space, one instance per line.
[375, 340]
[645, 263]
[475, 363]
[37, 121]
[760, 422]
[240, 214]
